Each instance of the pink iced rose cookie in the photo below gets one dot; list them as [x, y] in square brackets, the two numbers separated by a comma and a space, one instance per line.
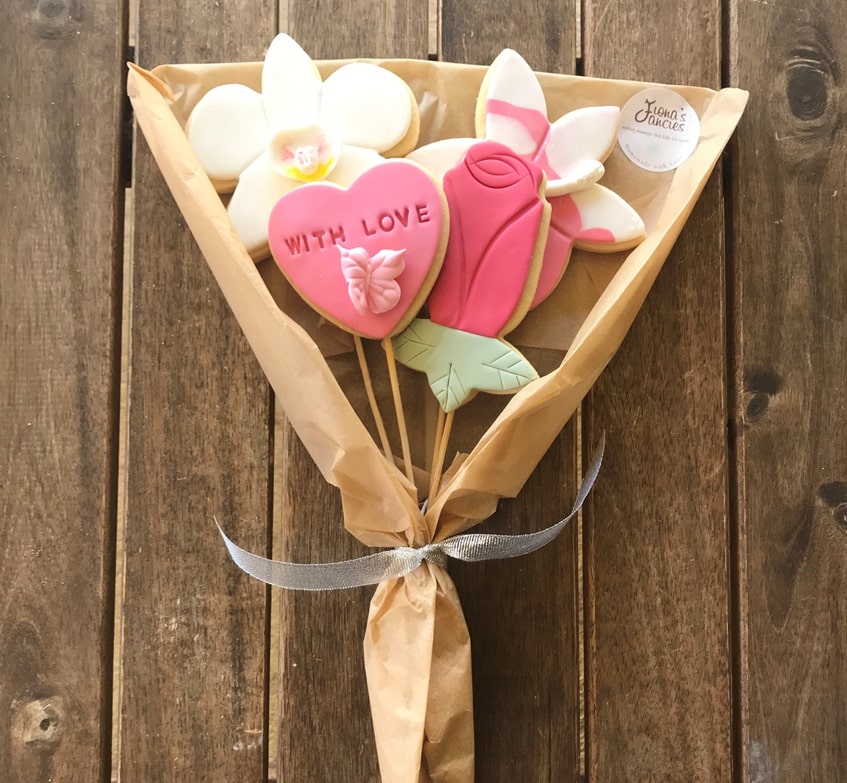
[297, 129]
[365, 257]
[498, 227]
[511, 109]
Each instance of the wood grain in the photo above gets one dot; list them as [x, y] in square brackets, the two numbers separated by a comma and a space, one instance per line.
[325, 727]
[523, 614]
[657, 561]
[397, 29]
[60, 285]
[523, 618]
[325, 730]
[544, 32]
[199, 446]
[790, 253]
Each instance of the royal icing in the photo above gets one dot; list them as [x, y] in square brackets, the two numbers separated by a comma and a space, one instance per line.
[563, 143]
[291, 84]
[441, 156]
[459, 364]
[512, 109]
[498, 223]
[497, 220]
[596, 219]
[367, 256]
[373, 107]
[571, 151]
[596, 215]
[241, 133]
[261, 186]
[297, 130]
[307, 153]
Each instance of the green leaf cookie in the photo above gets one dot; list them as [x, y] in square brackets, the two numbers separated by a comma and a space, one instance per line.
[458, 364]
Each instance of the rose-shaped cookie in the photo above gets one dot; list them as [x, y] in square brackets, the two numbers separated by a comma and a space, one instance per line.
[498, 227]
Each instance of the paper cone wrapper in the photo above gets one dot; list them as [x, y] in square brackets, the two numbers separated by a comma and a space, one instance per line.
[417, 649]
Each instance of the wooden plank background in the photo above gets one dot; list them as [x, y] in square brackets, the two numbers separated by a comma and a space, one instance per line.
[713, 606]
[789, 249]
[657, 530]
[199, 444]
[61, 213]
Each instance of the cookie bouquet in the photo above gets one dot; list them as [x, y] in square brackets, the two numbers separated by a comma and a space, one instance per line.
[432, 218]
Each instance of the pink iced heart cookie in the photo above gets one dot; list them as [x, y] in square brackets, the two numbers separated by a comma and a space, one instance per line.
[365, 257]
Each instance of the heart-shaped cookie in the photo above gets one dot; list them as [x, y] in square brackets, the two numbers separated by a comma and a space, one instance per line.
[367, 256]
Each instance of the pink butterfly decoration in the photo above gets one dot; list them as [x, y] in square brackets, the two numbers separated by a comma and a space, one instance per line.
[371, 280]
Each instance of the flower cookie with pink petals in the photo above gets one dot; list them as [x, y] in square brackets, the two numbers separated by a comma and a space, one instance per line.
[511, 109]
[498, 226]
[298, 129]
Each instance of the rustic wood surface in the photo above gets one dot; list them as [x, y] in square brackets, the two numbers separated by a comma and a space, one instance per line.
[658, 666]
[199, 445]
[789, 252]
[715, 555]
[60, 286]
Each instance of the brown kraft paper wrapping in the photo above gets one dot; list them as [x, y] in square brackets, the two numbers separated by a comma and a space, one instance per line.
[416, 647]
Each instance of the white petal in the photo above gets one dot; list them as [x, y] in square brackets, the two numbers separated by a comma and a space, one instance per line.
[259, 188]
[441, 156]
[353, 162]
[228, 130]
[511, 81]
[291, 84]
[368, 106]
[602, 210]
[576, 177]
[584, 134]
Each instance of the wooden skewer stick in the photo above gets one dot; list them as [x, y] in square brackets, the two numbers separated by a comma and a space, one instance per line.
[436, 446]
[440, 452]
[436, 441]
[369, 390]
[398, 408]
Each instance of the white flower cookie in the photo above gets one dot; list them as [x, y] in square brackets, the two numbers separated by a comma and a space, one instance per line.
[298, 129]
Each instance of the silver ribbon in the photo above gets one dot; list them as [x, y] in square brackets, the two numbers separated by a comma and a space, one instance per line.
[394, 563]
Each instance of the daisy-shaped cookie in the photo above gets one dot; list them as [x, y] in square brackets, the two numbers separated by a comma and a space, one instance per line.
[511, 109]
[297, 129]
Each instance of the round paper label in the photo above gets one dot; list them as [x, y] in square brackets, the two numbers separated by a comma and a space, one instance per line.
[659, 129]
